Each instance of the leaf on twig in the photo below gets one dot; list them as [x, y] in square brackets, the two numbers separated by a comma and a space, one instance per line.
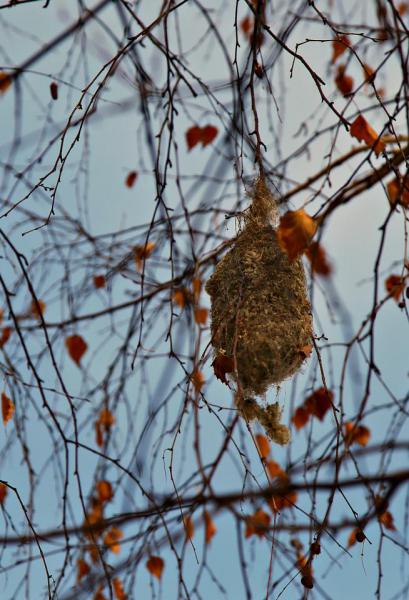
[395, 286]
[339, 46]
[356, 434]
[99, 281]
[105, 491]
[210, 527]
[5, 335]
[201, 315]
[119, 589]
[363, 132]
[198, 381]
[263, 445]
[155, 566]
[111, 539]
[5, 82]
[318, 259]
[189, 527]
[344, 82]
[7, 408]
[301, 417]
[83, 569]
[131, 178]
[222, 365]
[76, 347]
[200, 135]
[141, 253]
[295, 232]
[257, 524]
[319, 402]
[3, 492]
[37, 309]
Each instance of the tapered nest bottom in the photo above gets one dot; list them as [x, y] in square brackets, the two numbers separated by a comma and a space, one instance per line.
[260, 312]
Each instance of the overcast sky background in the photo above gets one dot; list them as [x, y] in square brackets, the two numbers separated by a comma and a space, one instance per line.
[351, 239]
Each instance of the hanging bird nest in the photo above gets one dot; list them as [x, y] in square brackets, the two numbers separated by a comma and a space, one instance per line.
[261, 315]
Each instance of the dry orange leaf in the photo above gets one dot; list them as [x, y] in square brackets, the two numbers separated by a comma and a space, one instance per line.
[368, 73]
[198, 380]
[258, 70]
[99, 281]
[76, 347]
[319, 402]
[3, 492]
[263, 445]
[352, 537]
[99, 437]
[209, 133]
[204, 135]
[37, 308]
[223, 364]
[318, 259]
[119, 589]
[398, 191]
[189, 527]
[395, 286]
[344, 82]
[182, 297]
[280, 501]
[104, 490]
[94, 516]
[363, 132]
[111, 539]
[5, 335]
[403, 8]
[94, 553]
[99, 594]
[104, 422]
[274, 469]
[106, 418]
[83, 569]
[306, 351]
[356, 434]
[5, 82]
[257, 524]
[301, 417]
[356, 535]
[295, 232]
[210, 527]
[386, 519]
[1, 314]
[304, 565]
[131, 178]
[7, 408]
[193, 136]
[339, 45]
[246, 25]
[196, 287]
[201, 316]
[155, 566]
[302, 561]
[142, 253]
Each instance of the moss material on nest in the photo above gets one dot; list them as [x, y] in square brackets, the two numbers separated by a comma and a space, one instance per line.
[261, 314]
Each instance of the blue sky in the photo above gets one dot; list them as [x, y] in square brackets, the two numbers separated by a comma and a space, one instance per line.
[93, 184]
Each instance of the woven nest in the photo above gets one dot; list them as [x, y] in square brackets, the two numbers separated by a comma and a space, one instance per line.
[261, 314]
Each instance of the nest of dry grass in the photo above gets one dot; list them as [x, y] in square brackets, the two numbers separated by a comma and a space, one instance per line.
[260, 310]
